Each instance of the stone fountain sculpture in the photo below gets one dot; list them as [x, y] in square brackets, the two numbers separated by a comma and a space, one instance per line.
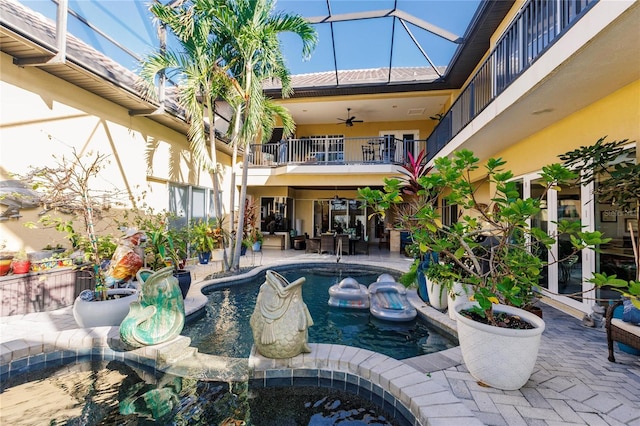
[281, 319]
[159, 315]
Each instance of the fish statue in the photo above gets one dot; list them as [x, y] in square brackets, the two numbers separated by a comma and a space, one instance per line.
[158, 316]
[280, 319]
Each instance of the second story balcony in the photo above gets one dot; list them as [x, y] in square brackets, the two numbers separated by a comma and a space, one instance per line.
[334, 150]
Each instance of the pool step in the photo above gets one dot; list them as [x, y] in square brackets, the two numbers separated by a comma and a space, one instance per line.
[174, 351]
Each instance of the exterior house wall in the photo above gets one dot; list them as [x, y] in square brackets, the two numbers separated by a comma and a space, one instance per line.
[43, 117]
[615, 116]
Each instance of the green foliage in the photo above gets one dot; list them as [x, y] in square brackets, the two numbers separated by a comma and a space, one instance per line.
[165, 244]
[492, 248]
[206, 235]
[618, 183]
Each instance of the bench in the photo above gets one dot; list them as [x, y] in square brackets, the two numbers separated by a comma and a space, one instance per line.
[620, 331]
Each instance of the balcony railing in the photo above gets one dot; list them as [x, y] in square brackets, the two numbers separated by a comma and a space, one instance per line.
[533, 31]
[334, 151]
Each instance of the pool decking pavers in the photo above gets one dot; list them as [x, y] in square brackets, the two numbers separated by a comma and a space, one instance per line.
[573, 383]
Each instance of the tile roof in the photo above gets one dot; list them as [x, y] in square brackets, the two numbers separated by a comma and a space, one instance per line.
[360, 76]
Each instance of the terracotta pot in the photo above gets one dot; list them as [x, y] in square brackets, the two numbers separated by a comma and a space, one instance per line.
[5, 265]
[20, 266]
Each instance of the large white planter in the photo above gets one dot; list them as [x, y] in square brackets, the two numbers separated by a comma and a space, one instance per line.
[104, 312]
[499, 357]
[459, 293]
[437, 294]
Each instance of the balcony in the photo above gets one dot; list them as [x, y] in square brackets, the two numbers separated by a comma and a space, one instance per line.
[538, 25]
[334, 151]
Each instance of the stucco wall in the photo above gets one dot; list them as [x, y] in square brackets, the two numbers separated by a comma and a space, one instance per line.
[42, 117]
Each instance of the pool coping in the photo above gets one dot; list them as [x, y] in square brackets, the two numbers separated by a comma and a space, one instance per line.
[410, 391]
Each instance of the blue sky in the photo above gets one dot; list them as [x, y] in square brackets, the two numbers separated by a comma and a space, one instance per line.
[359, 44]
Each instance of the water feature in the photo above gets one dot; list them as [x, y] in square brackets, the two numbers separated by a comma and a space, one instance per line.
[224, 329]
[106, 393]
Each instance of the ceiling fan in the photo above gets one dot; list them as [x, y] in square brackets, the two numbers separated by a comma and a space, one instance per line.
[350, 119]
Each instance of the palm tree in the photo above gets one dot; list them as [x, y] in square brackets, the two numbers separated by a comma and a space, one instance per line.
[228, 48]
[249, 30]
[196, 69]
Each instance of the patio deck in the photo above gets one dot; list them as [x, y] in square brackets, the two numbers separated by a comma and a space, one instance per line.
[573, 382]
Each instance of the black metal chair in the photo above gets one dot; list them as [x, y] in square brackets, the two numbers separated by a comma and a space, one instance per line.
[368, 153]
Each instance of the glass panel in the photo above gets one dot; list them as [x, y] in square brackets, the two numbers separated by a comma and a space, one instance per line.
[541, 221]
[320, 217]
[616, 257]
[178, 202]
[198, 203]
[366, 43]
[339, 215]
[569, 265]
[357, 218]
[274, 214]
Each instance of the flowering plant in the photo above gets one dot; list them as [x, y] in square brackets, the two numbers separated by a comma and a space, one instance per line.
[206, 235]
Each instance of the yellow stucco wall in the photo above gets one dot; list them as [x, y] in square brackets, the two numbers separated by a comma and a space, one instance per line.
[360, 130]
[42, 116]
[616, 116]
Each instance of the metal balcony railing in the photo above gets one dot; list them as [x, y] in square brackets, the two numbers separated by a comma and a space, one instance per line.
[533, 31]
[334, 151]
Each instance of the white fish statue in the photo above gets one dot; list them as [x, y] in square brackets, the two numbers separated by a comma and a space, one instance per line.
[280, 320]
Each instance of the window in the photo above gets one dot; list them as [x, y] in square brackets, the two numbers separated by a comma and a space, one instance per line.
[276, 214]
[188, 203]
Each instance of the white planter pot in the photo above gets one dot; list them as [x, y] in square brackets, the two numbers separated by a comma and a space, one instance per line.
[104, 312]
[217, 255]
[437, 295]
[503, 358]
[458, 294]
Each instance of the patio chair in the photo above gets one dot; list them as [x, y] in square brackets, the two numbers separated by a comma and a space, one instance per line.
[312, 245]
[368, 153]
[620, 331]
[345, 243]
[327, 244]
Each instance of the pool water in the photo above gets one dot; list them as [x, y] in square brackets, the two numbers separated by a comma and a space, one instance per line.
[224, 329]
[115, 393]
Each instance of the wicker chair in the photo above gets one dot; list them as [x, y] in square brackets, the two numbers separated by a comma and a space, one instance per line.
[327, 244]
[312, 245]
[620, 331]
[344, 238]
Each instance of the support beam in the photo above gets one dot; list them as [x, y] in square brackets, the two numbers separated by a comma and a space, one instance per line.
[61, 41]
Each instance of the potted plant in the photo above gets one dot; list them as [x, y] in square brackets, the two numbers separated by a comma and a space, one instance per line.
[493, 249]
[205, 237]
[256, 239]
[20, 263]
[5, 259]
[165, 246]
[67, 190]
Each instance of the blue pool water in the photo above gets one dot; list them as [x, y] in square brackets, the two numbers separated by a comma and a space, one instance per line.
[115, 393]
[224, 328]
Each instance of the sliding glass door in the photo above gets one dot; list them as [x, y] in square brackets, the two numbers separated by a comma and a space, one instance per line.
[563, 278]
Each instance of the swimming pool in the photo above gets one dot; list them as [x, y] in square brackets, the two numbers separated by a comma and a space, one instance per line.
[108, 393]
[224, 328]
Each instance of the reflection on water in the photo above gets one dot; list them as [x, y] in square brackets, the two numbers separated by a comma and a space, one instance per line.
[110, 393]
[224, 329]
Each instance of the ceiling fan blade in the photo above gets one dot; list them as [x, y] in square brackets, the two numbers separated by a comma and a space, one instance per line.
[352, 118]
[357, 121]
